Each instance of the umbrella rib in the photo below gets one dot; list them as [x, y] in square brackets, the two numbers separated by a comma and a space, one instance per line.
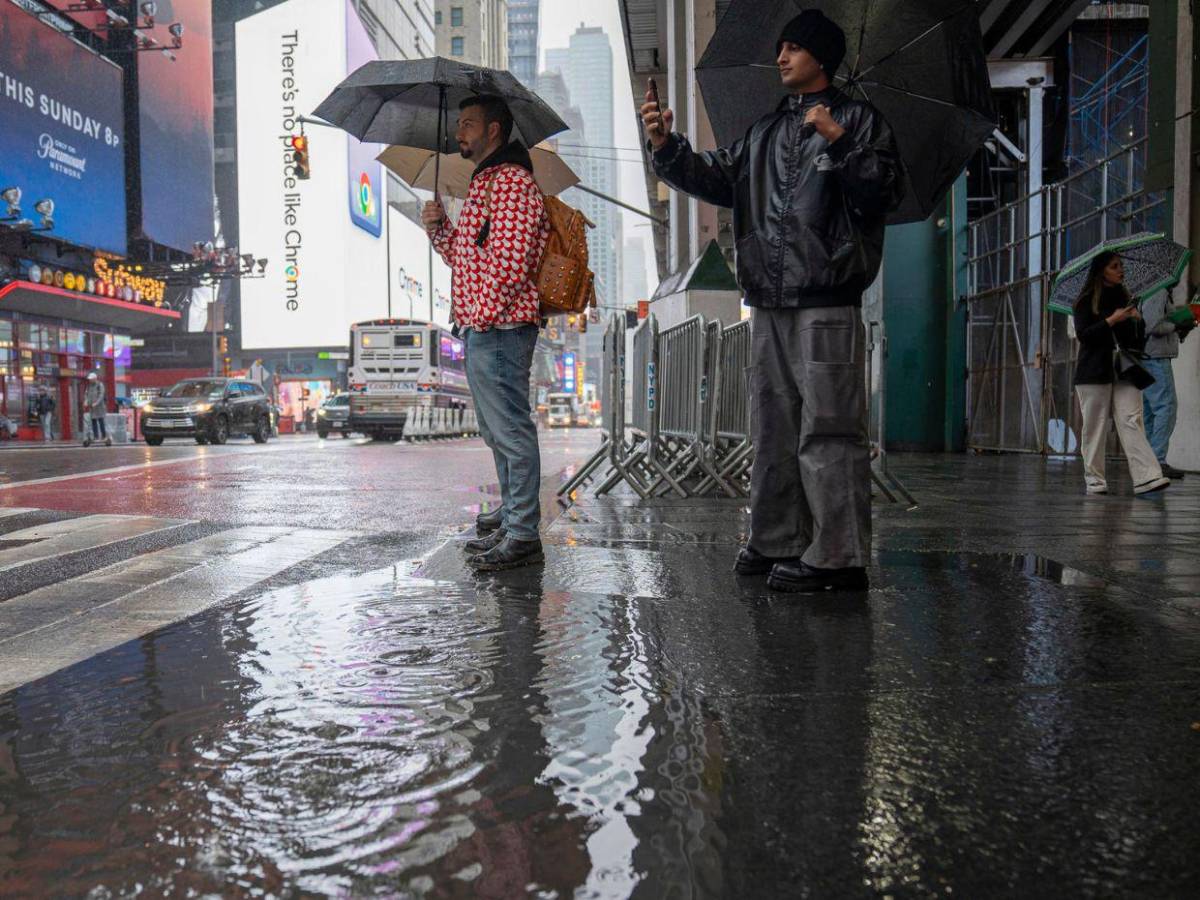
[916, 96]
[862, 39]
[920, 37]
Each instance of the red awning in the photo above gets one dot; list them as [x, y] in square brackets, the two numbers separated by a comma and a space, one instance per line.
[88, 309]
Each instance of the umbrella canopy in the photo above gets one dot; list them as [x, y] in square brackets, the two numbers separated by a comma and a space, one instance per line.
[919, 62]
[409, 102]
[1153, 263]
[417, 168]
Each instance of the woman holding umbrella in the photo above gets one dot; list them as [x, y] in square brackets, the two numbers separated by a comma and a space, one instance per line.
[1107, 319]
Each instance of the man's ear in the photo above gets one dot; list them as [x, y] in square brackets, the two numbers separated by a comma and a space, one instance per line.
[493, 135]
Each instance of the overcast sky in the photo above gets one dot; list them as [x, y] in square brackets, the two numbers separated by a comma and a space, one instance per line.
[559, 19]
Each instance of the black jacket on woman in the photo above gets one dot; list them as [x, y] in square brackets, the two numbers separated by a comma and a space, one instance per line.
[1095, 365]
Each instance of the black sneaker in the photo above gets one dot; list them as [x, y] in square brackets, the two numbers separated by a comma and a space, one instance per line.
[486, 523]
[484, 544]
[1173, 473]
[750, 562]
[510, 553]
[800, 578]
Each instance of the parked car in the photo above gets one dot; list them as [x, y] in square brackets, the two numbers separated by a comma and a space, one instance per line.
[334, 415]
[209, 410]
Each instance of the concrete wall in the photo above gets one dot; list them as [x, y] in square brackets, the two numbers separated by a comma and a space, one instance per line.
[914, 291]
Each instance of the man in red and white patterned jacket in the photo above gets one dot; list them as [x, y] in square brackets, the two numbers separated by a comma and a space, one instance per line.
[493, 252]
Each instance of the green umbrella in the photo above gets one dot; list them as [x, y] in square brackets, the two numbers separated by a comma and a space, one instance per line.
[1152, 263]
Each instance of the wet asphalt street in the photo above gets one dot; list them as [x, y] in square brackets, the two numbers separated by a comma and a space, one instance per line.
[249, 671]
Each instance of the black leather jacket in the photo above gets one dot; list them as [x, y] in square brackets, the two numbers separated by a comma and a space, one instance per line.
[808, 216]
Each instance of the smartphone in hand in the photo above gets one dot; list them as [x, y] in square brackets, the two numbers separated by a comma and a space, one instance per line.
[662, 125]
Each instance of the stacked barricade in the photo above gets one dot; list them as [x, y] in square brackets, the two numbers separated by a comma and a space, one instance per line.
[683, 435]
[688, 429]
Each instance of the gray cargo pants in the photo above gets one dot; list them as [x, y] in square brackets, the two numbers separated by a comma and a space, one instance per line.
[810, 493]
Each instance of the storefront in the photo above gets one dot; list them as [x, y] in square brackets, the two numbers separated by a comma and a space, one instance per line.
[52, 337]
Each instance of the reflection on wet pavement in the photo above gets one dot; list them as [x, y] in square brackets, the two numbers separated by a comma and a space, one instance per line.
[631, 720]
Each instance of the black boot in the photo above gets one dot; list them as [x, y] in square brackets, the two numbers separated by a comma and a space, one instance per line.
[799, 578]
[750, 562]
[486, 523]
[484, 544]
[510, 553]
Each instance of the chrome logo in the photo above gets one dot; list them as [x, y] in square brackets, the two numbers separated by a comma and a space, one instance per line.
[366, 197]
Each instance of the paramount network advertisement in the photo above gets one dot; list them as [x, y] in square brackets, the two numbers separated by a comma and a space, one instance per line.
[365, 172]
[61, 132]
[176, 110]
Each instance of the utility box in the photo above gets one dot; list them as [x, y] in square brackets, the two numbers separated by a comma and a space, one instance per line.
[707, 287]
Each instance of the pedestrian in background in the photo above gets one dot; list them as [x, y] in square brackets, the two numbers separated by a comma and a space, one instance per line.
[1159, 403]
[811, 185]
[45, 411]
[1105, 318]
[94, 404]
[493, 252]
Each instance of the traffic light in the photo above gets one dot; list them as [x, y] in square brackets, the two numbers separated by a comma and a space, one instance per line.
[301, 165]
[224, 344]
[227, 367]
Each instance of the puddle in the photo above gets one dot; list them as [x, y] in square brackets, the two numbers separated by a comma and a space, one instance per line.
[1025, 563]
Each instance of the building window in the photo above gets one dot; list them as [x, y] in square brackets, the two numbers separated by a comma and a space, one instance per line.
[437, 17]
[456, 46]
[456, 15]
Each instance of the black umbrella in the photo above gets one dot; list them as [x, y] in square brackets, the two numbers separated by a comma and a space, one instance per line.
[409, 101]
[919, 62]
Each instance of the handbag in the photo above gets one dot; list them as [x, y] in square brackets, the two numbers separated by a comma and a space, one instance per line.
[1128, 367]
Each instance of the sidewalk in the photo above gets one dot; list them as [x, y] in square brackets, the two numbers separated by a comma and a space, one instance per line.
[1010, 709]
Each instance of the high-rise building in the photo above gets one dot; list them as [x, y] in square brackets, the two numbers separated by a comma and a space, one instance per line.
[523, 40]
[473, 31]
[587, 67]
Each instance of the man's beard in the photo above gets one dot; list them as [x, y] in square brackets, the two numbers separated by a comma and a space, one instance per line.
[466, 151]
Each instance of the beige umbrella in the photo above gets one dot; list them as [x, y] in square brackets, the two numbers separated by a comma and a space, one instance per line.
[416, 168]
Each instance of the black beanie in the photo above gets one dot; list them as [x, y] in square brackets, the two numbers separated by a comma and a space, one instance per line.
[819, 35]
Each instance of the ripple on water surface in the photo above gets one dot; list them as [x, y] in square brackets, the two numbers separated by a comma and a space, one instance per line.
[370, 734]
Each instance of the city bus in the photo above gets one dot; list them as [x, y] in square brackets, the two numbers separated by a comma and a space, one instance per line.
[397, 365]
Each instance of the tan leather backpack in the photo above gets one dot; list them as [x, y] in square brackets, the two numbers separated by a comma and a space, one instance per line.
[565, 283]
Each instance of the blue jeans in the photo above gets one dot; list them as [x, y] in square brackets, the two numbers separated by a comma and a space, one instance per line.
[498, 364]
[1159, 406]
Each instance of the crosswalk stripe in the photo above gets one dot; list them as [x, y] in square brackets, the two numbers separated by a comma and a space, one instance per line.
[62, 624]
[74, 535]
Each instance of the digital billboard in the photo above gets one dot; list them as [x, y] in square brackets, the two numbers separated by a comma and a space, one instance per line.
[175, 109]
[324, 273]
[364, 172]
[61, 131]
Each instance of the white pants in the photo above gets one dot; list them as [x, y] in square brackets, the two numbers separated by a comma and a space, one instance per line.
[48, 426]
[1120, 403]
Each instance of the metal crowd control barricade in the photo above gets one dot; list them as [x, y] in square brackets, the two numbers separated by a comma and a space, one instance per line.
[612, 396]
[631, 461]
[729, 435]
[682, 450]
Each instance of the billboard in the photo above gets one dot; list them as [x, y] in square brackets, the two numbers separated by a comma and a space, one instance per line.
[176, 114]
[410, 261]
[324, 272]
[61, 130]
[364, 172]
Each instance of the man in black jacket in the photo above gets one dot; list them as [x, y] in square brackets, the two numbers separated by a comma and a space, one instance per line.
[810, 186]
